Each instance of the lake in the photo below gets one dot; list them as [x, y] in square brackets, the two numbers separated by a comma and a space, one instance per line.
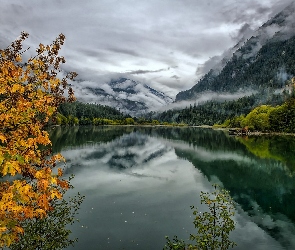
[140, 182]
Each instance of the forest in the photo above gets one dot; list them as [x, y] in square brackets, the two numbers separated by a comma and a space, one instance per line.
[276, 115]
[78, 113]
[266, 118]
[213, 112]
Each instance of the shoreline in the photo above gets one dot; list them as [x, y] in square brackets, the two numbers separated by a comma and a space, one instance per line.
[255, 133]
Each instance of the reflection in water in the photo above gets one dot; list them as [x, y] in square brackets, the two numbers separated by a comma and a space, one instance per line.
[141, 181]
[263, 188]
[281, 148]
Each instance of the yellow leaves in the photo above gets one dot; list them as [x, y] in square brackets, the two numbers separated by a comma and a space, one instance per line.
[2, 229]
[24, 194]
[30, 94]
[7, 239]
[54, 180]
[63, 184]
[6, 200]
[41, 48]
[1, 159]
[4, 71]
[39, 213]
[59, 172]
[11, 167]
[31, 156]
[45, 179]
[29, 213]
[17, 88]
[54, 82]
[43, 184]
[42, 77]
[14, 73]
[26, 190]
[2, 86]
[55, 194]
[2, 138]
[31, 142]
[18, 229]
[43, 202]
[44, 140]
[39, 174]
[58, 157]
[18, 58]
[5, 117]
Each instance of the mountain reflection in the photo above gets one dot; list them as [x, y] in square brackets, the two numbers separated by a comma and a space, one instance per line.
[259, 172]
[119, 148]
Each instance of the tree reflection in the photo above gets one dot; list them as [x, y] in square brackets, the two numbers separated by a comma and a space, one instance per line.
[280, 148]
[62, 137]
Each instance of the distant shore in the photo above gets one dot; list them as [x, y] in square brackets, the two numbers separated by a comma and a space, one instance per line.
[254, 132]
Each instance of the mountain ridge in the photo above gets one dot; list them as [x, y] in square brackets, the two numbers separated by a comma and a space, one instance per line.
[246, 69]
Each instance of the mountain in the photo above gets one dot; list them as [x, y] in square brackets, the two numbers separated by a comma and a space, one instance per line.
[263, 60]
[129, 96]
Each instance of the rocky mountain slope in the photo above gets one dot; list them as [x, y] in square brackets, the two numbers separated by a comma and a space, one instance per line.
[264, 60]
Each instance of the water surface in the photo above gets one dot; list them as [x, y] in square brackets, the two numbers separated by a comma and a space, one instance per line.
[140, 182]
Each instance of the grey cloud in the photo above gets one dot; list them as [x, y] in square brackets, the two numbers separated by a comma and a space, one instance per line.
[175, 77]
[207, 65]
[107, 37]
[262, 9]
[139, 72]
[170, 85]
[243, 31]
[124, 51]
[93, 53]
[247, 11]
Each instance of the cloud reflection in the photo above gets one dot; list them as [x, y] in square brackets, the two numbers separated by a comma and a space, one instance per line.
[144, 172]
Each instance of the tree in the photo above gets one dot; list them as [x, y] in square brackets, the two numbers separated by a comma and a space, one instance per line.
[258, 118]
[30, 93]
[155, 122]
[214, 226]
[129, 121]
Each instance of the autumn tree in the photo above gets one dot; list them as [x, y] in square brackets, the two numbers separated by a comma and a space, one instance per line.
[51, 231]
[30, 92]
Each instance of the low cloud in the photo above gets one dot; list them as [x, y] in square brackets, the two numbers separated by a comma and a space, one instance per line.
[207, 96]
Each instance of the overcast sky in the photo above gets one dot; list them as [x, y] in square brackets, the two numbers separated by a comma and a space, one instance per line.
[161, 42]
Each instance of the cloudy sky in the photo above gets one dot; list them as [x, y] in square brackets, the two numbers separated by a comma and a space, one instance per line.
[164, 43]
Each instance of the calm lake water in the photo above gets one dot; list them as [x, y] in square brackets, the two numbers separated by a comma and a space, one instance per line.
[139, 183]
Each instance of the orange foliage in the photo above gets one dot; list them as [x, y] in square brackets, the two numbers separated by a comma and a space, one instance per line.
[30, 93]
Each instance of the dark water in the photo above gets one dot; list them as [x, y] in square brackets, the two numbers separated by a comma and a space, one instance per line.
[140, 182]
